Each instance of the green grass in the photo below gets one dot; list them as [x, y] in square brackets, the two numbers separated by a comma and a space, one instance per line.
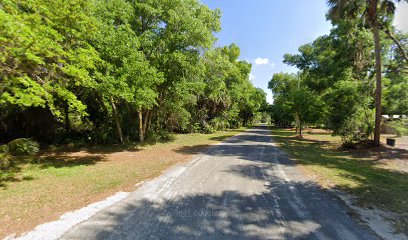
[360, 173]
[70, 178]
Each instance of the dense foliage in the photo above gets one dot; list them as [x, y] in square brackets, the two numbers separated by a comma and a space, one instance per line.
[117, 71]
[339, 74]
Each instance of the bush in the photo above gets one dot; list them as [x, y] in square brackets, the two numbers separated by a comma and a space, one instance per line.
[195, 128]
[400, 127]
[357, 128]
[219, 123]
[23, 146]
[159, 136]
[207, 128]
[4, 157]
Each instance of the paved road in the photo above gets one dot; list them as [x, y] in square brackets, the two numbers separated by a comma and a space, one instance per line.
[243, 188]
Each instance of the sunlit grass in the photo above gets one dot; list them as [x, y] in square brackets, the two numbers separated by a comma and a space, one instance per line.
[356, 172]
[64, 180]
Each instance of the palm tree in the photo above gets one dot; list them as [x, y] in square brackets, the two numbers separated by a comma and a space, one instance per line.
[376, 13]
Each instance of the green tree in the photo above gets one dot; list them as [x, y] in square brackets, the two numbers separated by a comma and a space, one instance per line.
[109, 71]
[332, 62]
[306, 106]
[173, 35]
[42, 60]
[291, 96]
[396, 80]
[376, 13]
[281, 85]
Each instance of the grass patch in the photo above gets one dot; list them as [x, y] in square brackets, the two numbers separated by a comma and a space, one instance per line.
[369, 175]
[66, 179]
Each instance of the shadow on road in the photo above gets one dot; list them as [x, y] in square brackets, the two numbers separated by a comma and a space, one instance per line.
[279, 209]
[205, 216]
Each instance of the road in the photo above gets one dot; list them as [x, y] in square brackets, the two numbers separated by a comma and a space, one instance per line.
[242, 188]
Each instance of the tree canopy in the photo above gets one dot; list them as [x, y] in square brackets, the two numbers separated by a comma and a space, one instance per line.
[340, 73]
[119, 70]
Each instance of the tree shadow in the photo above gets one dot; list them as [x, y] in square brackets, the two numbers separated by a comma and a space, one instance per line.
[382, 152]
[358, 172]
[236, 145]
[8, 175]
[66, 156]
[66, 161]
[94, 149]
[271, 214]
[267, 206]
[218, 138]
[12, 173]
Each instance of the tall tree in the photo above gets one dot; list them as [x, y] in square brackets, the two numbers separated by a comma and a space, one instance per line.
[104, 71]
[174, 33]
[375, 13]
[290, 95]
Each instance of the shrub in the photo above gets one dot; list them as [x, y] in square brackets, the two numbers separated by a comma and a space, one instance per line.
[357, 128]
[400, 127]
[219, 123]
[196, 128]
[4, 156]
[23, 146]
[159, 136]
[207, 128]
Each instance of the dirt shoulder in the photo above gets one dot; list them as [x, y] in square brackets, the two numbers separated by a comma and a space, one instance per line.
[376, 179]
[63, 180]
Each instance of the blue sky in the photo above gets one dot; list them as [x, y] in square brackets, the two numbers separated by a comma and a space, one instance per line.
[267, 29]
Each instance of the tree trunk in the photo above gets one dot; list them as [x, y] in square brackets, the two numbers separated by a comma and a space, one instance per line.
[300, 129]
[141, 134]
[149, 120]
[378, 83]
[297, 123]
[117, 122]
[67, 123]
[146, 118]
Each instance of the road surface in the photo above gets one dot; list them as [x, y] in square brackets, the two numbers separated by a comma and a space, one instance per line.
[242, 188]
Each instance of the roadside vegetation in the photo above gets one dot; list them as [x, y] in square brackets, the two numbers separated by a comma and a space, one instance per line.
[348, 78]
[376, 178]
[346, 81]
[119, 71]
[95, 96]
[64, 179]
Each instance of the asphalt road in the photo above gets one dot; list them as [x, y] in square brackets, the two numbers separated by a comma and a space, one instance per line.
[242, 188]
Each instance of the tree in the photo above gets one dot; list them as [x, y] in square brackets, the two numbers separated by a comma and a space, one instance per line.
[227, 98]
[376, 13]
[306, 106]
[339, 66]
[45, 58]
[173, 35]
[396, 80]
[116, 71]
[290, 95]
[281, 85]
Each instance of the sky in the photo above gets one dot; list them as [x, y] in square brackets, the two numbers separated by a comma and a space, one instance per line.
[267, 29]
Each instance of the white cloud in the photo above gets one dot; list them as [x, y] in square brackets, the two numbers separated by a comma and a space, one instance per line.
[401, 17]
[261, 61]
[251, 76]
